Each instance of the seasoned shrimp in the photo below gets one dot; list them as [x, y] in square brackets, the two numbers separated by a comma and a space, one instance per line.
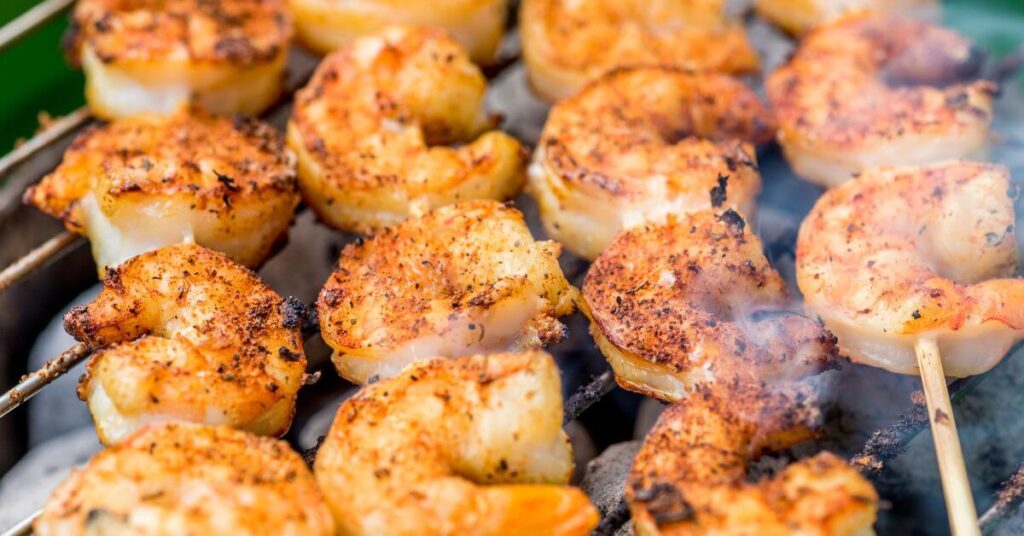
[567, 43]
[368, 126]
[640, 143]
[692, 300]
[185, 334]
[464, 446]
[867, 91]
[178, 478]
[904, 253]
[690, 476]
[153, 56]
[798, 16]
[477, 25]
[461, 280]
[141, 183]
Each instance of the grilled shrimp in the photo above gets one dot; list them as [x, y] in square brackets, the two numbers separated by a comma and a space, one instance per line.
[465, 446]
[178, 478]
[185, 334]
[477, 25]
[642, 142]
[690, 476]
[904, 253]
[567, 43]
[153, 56]
[692, 300]
[798, 16]
[137, 184]
[369, 129]
[867, 91]
[461, 280]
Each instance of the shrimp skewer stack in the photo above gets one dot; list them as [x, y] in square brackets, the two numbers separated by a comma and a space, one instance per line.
[155, 56]
[144, 182]
[639, 143]
[910, 264]
[798, 16]
[868, 91]
[371, 126]
[185, 334]
[688, 310]
[692, 300]
[460, 280]
[690, 475]
[455, 446]
[477, 25]
[178, 478]
[567, 43]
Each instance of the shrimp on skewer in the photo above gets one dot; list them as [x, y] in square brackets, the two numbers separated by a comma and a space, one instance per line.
[639, 143]
[867, 91]
[461, 280]
[154, 56]
[798, 16]
[464, 446]
[179, 478]
[477, 25]
[568, 43]
[368, 131]
[185, 334]
[690, 476]
[692, 300]
[137, 184]
[910, 252]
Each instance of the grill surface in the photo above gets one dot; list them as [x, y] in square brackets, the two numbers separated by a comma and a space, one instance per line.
[862, 400]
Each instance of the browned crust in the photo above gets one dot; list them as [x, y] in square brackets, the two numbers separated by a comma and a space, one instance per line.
[157, 460]
[710, 126]
[416, 264]
[164, 156]
[349, 90]
[848, 219]
[849, 83]
[236, 32]
[243, 326]
[715, 274]
[590, 36]
[700, 449]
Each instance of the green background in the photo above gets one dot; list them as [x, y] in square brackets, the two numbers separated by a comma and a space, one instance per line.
[36, 77]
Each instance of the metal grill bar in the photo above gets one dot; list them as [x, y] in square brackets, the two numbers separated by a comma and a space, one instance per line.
[24, 266]
[588, 395]
[1011, 493]
[888, 443]
[884, 445]
[14, 31]
[50, 134]
[24, 527]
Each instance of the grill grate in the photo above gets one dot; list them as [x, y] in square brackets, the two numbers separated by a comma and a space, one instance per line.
[883, 446]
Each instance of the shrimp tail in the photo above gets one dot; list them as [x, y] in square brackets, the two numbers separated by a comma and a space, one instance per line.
[533, 509]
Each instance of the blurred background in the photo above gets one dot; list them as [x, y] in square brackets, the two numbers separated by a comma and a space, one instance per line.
[39, 80]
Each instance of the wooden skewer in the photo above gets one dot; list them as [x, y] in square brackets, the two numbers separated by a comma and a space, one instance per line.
[963, 517]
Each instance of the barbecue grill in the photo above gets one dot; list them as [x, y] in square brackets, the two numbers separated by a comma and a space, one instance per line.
[873, 417]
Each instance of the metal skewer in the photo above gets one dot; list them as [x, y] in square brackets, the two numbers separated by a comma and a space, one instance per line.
[34, 382]
[24, 266]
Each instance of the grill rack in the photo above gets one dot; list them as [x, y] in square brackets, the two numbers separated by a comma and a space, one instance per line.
[883, 446]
